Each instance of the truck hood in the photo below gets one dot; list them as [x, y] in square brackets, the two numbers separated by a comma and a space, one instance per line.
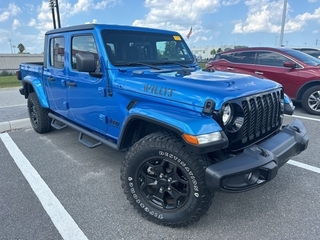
[194, 88]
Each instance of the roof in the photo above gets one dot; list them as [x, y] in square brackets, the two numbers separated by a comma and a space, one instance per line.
[258, 48]
[107, 26]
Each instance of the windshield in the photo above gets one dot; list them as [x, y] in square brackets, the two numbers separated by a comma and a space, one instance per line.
[303, 57]
[124, 48]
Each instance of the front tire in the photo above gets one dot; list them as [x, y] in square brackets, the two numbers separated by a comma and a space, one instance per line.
[38, 115]
[311, 100]
[164, 182]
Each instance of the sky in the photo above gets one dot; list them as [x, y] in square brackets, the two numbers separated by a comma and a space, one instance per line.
[218, 23]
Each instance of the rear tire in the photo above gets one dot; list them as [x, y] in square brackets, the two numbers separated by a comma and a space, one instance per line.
[311, 100]
[164, 182]
[38, 115]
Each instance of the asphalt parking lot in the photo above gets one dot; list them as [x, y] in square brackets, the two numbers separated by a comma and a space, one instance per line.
[53, 187]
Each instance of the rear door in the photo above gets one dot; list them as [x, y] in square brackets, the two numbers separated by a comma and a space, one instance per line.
[270, 65]
[55, 74]
[238, 62]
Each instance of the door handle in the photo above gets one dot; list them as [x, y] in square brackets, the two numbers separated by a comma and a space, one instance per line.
[257, 72]
[229, 68]
[71, 84]
[51, 79]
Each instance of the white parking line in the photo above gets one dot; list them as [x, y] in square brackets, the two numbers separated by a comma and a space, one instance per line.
[303, 117]
[17, 105]
[304, 166]
[64, 223]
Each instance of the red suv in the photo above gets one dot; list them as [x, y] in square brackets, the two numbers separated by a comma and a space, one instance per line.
[299, 73]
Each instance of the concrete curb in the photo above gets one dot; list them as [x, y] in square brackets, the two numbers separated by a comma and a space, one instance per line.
[14, 124]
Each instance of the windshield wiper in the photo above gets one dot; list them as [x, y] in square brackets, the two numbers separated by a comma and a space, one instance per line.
[136, 64]
[171, 62]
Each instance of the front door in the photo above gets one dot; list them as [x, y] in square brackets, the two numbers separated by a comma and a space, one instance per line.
[270, 65]
[87, 98]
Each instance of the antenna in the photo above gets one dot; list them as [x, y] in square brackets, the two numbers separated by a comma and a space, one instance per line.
[52, 5]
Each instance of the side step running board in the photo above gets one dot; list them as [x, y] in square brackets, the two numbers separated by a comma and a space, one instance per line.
[83, 132]
[57, 125]
[86, 142]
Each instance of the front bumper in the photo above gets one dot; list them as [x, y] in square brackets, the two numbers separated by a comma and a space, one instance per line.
[259, 163]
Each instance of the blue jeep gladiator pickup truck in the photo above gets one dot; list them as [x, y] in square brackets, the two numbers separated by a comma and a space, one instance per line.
[188, 132]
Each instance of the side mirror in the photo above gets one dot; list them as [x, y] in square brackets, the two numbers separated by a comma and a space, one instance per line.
[85, 62]
[289, 64]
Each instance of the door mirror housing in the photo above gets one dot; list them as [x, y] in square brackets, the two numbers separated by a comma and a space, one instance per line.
[290, 64]
[85, 62]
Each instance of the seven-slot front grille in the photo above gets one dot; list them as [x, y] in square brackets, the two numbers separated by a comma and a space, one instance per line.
[261, 115]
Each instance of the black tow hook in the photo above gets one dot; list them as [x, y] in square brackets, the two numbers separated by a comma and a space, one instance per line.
[263, 152]
[295, 128]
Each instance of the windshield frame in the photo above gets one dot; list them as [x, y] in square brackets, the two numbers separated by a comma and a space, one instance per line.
[150, 48]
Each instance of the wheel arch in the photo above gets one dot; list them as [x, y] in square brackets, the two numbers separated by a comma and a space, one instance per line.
[31, 84]
[306, 86]
[137, 127]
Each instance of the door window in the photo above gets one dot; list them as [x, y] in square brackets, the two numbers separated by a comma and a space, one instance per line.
[272, 59]
[244, 57]
[227, 56]
[86, 44]
[57, 52]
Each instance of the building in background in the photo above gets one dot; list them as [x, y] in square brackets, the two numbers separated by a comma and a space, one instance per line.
[9, 63]
[203, 54]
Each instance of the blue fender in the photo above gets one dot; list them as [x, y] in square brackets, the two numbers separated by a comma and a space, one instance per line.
[288, 105]
[38, 88]
[184, 121]
[287, 100]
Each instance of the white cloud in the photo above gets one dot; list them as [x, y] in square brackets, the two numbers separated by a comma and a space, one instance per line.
[312, 1]
[262, 16]
[230, 2]
[4, 16]
[178, 15]
[32, 22]
[81, 6]
[266, 16]
[315, 31]
[12, 10]
[106, 3]
[3, 36]
[16, 23]
[93, 21]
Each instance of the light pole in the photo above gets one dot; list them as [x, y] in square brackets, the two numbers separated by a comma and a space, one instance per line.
[283, 21]
[10, 45]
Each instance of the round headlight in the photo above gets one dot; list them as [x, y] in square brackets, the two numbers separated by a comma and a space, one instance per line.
[227, 114]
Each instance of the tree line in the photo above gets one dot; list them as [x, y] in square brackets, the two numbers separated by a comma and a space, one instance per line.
[213, 51]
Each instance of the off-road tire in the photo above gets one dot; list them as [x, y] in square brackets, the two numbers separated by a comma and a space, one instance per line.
[159, 167]
[311, 97]
[38, 115]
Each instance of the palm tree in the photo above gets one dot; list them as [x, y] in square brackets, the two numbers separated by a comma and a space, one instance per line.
[213, 52]
[21, 48]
